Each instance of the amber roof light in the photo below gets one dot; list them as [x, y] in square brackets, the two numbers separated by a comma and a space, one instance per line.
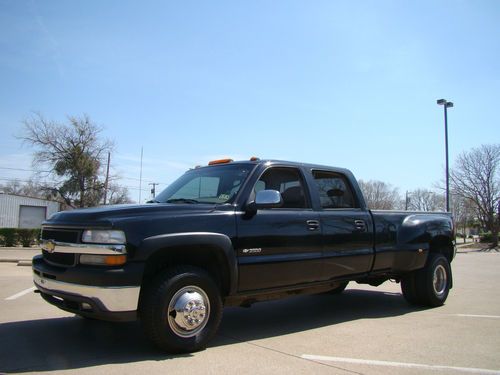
[220, 161]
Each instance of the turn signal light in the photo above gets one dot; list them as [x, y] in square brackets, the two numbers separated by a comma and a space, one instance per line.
[103, 260]
[116, 260]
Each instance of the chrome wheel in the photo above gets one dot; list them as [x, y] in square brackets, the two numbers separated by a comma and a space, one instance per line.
[188, 311]
[440, 280]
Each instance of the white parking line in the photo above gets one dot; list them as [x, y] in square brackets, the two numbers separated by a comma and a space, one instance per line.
[355, 361]
[20, 294]
[477, 316]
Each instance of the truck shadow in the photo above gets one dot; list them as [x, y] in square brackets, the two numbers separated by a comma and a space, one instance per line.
[72, 343]
[303, 313]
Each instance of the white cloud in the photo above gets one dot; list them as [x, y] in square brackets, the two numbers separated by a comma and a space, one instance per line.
[50, 42]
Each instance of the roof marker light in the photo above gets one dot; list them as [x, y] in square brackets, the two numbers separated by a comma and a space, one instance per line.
[220, 161]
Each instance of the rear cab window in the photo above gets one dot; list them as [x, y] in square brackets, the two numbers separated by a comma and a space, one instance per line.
[334, 190]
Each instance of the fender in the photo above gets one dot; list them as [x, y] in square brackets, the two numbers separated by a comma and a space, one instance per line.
[404, 239]
[218, 242]
[415, 236]
[422, 228]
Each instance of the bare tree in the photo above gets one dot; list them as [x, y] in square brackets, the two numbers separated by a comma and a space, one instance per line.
[463, 212]
[476, 177]
[30, 188]
[12, 187]
[72, 153]
[118, 194]
[380, 196]
[425, 200]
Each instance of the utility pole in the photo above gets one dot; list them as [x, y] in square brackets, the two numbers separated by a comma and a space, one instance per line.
[153, 189]
[407, 201]
[107, 179]
[140, 177]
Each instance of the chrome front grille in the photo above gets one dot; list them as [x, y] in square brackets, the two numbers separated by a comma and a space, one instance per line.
[61, 235]
[59, 259]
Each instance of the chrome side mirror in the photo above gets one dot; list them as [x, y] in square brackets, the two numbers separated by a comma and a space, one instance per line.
[264, 199]
[268, 199]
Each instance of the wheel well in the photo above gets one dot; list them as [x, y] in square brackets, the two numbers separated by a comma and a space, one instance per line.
[443, 245]
[205, 257]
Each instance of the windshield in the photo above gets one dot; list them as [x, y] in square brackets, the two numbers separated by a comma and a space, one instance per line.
[214, 185]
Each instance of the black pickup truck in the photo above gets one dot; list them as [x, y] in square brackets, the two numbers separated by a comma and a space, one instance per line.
[235, 233]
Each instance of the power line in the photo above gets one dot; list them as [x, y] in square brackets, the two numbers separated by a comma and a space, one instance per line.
[136, 179]
[12, 179]
[22, 169]
[118, 177]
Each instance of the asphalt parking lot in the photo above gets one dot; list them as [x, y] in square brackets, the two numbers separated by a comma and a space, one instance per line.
[366, 330]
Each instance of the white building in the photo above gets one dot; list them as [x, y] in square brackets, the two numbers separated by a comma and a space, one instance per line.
[25, 212]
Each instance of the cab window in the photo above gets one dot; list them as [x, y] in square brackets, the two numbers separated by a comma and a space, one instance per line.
[289, 182]
[334, 190]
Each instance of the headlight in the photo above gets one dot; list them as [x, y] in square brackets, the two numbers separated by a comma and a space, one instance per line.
[103, 236]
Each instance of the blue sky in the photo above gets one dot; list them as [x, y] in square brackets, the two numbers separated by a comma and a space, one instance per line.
[351, 84]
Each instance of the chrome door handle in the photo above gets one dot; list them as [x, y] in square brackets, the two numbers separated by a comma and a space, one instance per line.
[312, 224]
[360, 225]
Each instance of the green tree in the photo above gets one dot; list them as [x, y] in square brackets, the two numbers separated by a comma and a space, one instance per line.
[73, 153]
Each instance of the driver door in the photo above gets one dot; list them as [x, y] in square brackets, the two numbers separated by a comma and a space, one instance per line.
[279, 247]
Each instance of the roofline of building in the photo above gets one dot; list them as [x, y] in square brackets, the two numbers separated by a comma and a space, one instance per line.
[30, 197]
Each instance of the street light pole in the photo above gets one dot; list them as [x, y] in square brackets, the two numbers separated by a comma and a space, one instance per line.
[446, 104]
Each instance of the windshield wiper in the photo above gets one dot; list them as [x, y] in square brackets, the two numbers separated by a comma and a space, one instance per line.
[182, 200]
[153, 201]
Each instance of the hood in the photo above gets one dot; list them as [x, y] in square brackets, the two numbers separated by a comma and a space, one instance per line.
[107, 215]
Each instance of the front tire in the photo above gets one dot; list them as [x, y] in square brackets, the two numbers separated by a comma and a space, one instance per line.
[431, 285]
[181, 310]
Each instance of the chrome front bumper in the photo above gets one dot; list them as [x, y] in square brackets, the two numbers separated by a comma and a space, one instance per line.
[110, 299]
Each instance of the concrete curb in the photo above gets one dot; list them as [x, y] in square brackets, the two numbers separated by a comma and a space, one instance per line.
[19, 255]
[463, 248]
[20, 248]
[20, 262]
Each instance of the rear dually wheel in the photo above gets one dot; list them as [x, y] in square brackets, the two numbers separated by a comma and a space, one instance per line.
[430, 285]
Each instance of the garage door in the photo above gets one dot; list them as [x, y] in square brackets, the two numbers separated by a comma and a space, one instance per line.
[31, 216]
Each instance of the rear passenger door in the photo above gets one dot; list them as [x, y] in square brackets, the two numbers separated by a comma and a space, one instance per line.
[347, 229]
[280, 246]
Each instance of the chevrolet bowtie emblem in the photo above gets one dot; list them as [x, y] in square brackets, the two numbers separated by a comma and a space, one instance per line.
[49, 246]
